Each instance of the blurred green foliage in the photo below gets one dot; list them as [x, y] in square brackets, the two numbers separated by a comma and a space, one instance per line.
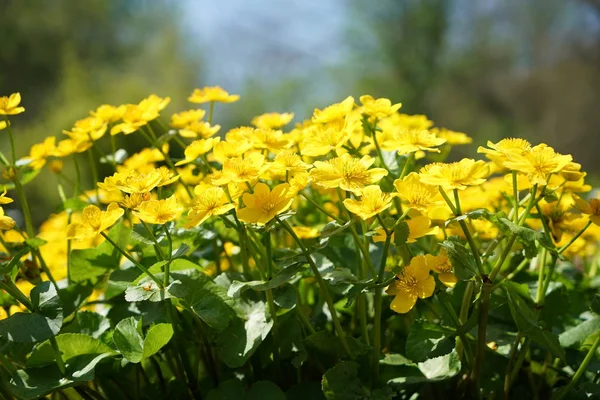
[68, 57]
[528, 68]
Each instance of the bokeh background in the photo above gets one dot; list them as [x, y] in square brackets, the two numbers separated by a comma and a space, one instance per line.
[490, 68]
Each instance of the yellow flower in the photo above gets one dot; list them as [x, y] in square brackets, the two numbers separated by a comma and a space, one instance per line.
[572, 172]
[212, 93]
[502, 151]
[133, 200]
[138, 115]
[209, 201]
[288, 162]
[452, 138]
[230, 149]
[4, 199]
[166, 176]
[138, 182]
[538, 163]
[67, 147]
[418, 195]
[198, 148]
[457, 175]
[268, 139]
[418, 227]
[6, 222]
[94, 221]
[377, 108]
[406, 141]
[240, 170]
[158, 211]
[321, 140]
[372, 202]
[185, 118]
[144, 160]
[263, 205]
[591, 208]
[109, 113]
[306, 232]
[334, 111]
[199, 129]
[347, 173]
[90, 128]
[9, 105]
[441, 264]
[3, 124]
[272, 120]
[39, 152]
[413, 282]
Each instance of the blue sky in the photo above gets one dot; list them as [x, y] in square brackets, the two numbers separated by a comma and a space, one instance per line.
[266, 38]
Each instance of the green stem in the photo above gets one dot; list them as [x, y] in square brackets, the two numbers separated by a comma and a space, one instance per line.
[378, 306]
[12, 141]
[574, 238]
[166, 276]
[539, 298]
[77, 186]
[409, 160]
[511, 361]
[314, 203]
[582, 367]
[324, 290]
[58, 355]
[157, 247]
[464, 314]
[211, 112]
[95, 176]
[137, 264]
[457, 212]
[515, 195]
[12, 289]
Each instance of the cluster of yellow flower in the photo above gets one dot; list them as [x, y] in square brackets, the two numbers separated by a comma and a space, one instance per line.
[368, 163]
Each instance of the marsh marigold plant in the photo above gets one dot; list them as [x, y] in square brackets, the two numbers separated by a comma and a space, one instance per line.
[339, 257]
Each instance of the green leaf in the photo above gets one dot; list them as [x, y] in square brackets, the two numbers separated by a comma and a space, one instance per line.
[35, 242]
[265, 390]
[90, 263]
[27, 177]
[341, 383]
[595, 304]
[73, 296]
[9, 267]
[426, 340]
[91, 323]
[575, 336]
[526, 320]
[228, 390]
[246, 331]
[45, 322]
[461, 259]
[401, 232]
[333, 228]
[202, 296]
[147, 289]
[131, 343]
[156, 338]
[434, 369]
[71, 345]
[526, 236]
[33, 383]
[129, 340]
[278, 279]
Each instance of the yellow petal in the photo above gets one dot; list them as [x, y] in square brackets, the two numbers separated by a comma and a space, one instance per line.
[403, 303]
